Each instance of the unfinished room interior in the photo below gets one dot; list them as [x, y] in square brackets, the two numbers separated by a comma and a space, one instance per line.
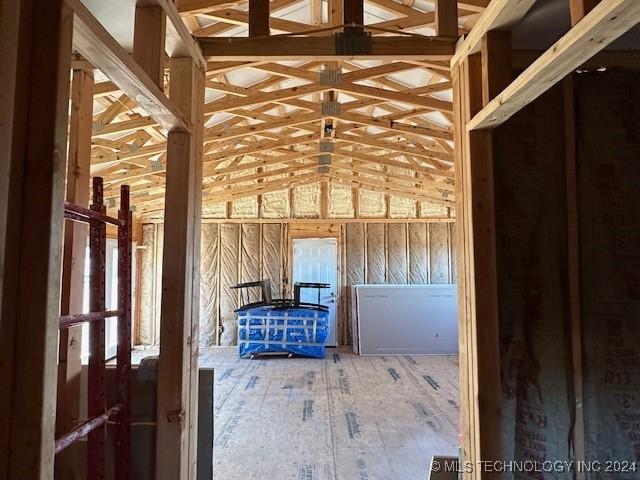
[320, 239]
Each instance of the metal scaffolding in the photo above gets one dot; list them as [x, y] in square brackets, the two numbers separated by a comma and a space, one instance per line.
[98, 412]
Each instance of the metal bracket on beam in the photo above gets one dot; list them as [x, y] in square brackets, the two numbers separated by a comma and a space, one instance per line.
[156, 165]
[330, 108]
[324, 159]
[331, 77]
[326, 146]
[353, 42]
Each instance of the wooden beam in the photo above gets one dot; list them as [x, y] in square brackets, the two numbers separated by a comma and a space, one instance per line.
[265, 187]
[259, 18]
[93, 41]
[123, 126]
[234, 103]
[497, 72]
[296, 167]
[201, 6]
[477, 275]
[335, 10]
[179, 42]
[382, 122]
[178, 365]
[606, 22]
[260, 147]
[446, 18]
[353, 15]
[385, 187]
[475, 5]
[68, 462]
[573, 272]
[395, 147]
[390, 95]
[148, 41]
[498, 15]
[579, 8]
[34, 106]
[324, 199]
[324, 48]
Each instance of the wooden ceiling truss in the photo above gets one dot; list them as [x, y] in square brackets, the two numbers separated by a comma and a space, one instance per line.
[388, 134]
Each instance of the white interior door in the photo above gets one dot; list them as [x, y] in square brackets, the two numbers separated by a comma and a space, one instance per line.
[316, 260]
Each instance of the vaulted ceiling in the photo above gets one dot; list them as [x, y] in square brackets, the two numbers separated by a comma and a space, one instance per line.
[382, 125]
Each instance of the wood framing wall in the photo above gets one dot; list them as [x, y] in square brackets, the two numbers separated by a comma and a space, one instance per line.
[562, 177]
[532, 273]
[566, 173]
[376, 251]
[607, 139]
[501, 259]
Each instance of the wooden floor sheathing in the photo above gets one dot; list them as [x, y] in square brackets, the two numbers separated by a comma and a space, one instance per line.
[345, 417]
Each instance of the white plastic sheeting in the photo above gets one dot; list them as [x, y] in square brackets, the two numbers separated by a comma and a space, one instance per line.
[145, 331]
[376, 255]
[374, 252]
[439, 252]
[229, 276]
[396, 253]
[209, 285]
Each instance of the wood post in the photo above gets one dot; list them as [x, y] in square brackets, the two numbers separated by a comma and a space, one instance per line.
[33, 141]
[68, 462]
[573, 274]
[336, 12]
[259, 18]
[148, 41]
[497, 73]
[477, 276]
[353, 15]
[579, 8]
[446, 18]
[178, 367]
[324, 199]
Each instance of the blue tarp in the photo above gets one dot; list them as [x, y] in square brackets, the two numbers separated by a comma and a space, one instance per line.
[299, 331]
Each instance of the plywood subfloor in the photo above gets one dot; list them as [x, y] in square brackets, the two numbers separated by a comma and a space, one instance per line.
[345, 417]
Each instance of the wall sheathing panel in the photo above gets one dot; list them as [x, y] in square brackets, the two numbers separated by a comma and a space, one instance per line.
[229, 276]
[397, 253]
[531, 246]
[418, 253]
[146, 323]
[251, 261]
[209, 284]
[608, 153]
[376, 254]
[439, 252]
[272, 256]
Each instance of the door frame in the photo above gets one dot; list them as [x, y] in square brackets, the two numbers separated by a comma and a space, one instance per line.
[320, 231]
